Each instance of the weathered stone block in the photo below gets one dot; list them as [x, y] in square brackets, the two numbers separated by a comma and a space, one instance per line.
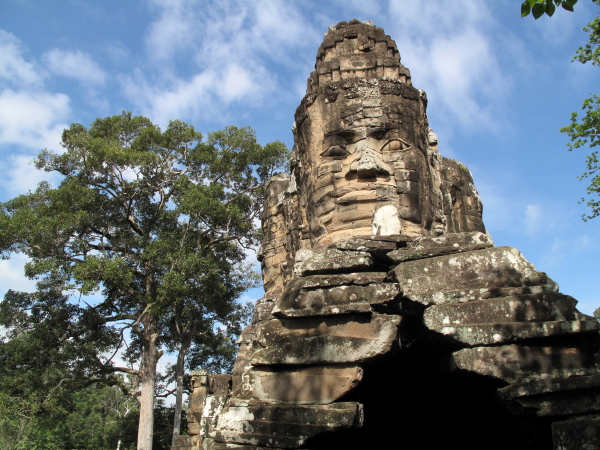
[366, 245]
[284, 426]
[409, 254]
[196, 403]
[212, 409]
[519, 363]
[333, 260]
[515, 391]
[305, 385]
[341, 279]
[262, 309]
[576, 434]
[563, 403]
[220, 384]
[326, 340]
[523, 308]
[452, 240]
[490, 268]
[199, 377]
[499, 333]
[469, 295]
[183, 443]
[335, 300]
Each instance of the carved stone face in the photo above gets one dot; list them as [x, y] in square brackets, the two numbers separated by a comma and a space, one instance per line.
[360, 164]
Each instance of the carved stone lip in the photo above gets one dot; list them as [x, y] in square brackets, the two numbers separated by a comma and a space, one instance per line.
[367, 193]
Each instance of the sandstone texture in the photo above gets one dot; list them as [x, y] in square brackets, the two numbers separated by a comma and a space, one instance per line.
[254, 425]
[324, 340]
[306, 385]
[387, 310]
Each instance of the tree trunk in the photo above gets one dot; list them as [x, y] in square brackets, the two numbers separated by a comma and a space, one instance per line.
[150, 357]
[179, 372]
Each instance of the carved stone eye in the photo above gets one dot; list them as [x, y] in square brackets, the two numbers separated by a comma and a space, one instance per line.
[335, 152]
[393, 145]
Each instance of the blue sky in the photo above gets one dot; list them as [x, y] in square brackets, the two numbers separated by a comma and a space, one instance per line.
[499, 88]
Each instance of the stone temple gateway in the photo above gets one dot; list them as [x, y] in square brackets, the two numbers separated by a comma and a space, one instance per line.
[390, 320]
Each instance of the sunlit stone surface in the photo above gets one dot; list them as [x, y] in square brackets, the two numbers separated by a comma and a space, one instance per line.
[390, 320]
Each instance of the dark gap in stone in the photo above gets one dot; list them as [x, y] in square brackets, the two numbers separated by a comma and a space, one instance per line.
[412, 399]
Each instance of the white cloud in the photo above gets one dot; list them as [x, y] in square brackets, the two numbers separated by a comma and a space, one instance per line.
[74, 64]
[32, 119]
[20, 175]
[30, 116]
[564, 248]
[227, 46]
[369, 9]
[12, 275]
[182, 98]
[117, 51]
[533, 216]
[173, 30]
[454, 55]
[13, 67]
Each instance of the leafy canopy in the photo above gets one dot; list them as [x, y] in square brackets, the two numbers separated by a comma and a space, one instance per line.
[142, 215]
[539, 7]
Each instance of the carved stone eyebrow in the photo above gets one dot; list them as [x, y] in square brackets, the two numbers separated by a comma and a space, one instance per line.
[334, 139]
[335, 151]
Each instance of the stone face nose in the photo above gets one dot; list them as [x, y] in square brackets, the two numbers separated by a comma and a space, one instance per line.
[369, 165]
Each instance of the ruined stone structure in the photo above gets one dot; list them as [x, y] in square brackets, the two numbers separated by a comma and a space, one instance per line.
[390, 319]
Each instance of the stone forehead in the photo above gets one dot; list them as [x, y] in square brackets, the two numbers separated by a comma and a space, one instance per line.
[359, 64]
[360, 92]
[344, 31]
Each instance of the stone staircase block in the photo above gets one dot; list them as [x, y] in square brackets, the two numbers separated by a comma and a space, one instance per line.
[497, 267]
[335, 300]
[305, 385]
[284, 426]
[326, 340]
[520, 363]
[501, 333]
[522, 308]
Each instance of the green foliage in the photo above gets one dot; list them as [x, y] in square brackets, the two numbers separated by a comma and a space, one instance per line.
[153, 225]
[585, 131]
[98, 418]
[50, 348]
[590, 51]
[217, 351]
[539, 7]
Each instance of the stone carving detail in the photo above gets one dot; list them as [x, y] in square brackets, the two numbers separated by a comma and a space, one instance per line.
[387, 304]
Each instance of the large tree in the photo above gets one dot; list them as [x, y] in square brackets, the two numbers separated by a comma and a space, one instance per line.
[143, 220]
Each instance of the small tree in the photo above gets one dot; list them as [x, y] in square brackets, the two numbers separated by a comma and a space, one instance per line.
[148, 220]
[205, 324]
[586, 133]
